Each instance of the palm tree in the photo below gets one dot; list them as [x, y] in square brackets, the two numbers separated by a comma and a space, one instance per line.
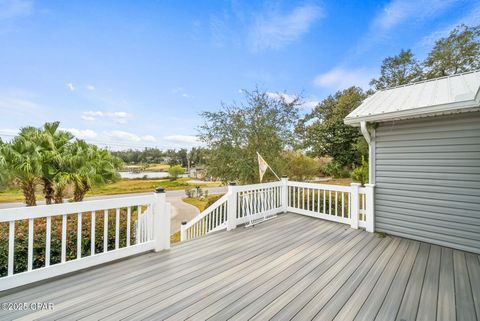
[22, 161]
[90, 166]
[53, 144]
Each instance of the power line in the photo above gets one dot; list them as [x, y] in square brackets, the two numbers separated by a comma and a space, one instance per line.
[111, 144]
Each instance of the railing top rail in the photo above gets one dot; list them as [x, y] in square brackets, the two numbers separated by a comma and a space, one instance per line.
[338, 188]
[243, 188]
[21, 213]
[207, 211]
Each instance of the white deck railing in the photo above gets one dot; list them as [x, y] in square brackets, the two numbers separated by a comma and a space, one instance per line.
[214, 218]
[84, 234]
[247, 204]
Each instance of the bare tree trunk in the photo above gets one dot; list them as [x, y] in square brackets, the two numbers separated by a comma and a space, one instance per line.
[28, 190]
[79, 191]
[59, 195]
[48, 191]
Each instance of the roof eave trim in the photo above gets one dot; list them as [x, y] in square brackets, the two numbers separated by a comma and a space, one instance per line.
[417, 112]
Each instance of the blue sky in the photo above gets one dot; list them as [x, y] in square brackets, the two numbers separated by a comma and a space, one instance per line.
[138, 73]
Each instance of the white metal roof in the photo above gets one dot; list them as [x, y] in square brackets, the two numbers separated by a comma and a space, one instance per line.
[457, 93]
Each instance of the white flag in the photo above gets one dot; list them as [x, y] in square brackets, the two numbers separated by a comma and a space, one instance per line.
[262, 166]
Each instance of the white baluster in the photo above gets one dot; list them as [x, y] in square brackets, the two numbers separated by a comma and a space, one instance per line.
[11, 246]
[92, 234]
[117, 228]
[48, 240]
[64, 238]
[105, 231]
[79, 235]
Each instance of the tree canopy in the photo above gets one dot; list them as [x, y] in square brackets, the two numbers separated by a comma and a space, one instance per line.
[398, 70]
[324, 132]
[237, 132]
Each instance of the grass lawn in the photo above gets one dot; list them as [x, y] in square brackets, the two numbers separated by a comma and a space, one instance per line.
[201, 205]
[339, 181]
[148, 167]
[125, 186]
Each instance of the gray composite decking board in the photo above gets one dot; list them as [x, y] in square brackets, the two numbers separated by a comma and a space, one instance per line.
[210, 303]
[282, 293]
[367, 274]
[181, 252]
[358, 299]
[252, 294]
[427, 309]
[203, 280]
[294, 306]
[240, 288]
[293, 264]
[297, 253]
[393, 299]
[309, 311]
[411, 297]
[145, 275]
[463, 290]
[473, 266]
[446, 296]
[138, 289]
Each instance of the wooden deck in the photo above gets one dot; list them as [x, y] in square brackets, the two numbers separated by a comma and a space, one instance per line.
[291, 267]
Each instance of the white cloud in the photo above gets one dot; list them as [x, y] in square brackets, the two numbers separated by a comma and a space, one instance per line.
[341, 78]
[188, 139]
[119, 117]
[149, 138]
[15, 8]
[121, 135]
[275, 30]
[180, 91]
[306, 103]
[472, 18]
[399, 11]
[90, 87]
[124, 136]
[71, 87]
[81, 133]
[17, 103]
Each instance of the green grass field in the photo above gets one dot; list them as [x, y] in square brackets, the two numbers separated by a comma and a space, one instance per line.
[125, 186]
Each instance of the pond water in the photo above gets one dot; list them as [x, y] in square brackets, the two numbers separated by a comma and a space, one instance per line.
[146, 174]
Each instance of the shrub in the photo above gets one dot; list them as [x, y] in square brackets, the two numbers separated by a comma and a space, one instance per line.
[334, 169]
[175, 171]
[360, 173]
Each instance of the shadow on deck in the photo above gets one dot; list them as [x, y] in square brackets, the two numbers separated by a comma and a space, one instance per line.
[291, 267]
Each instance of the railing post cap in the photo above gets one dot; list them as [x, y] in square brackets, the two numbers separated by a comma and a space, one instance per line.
[369, 185]
[284, 176]
[184, 222]
[160, 190]
[232, 184]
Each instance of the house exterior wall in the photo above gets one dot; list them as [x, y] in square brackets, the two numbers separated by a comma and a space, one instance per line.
[428, 180]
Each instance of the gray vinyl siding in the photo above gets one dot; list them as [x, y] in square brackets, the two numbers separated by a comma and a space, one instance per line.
[428, 180]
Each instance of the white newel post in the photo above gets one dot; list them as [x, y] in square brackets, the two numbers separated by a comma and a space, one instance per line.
[183, 231]
[284, 194]
[355, 205]
[161, 220]
[370, 210]
[232, 206]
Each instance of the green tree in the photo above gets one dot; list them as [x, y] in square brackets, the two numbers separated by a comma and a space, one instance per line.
[459, 52]
[300, 167]
[175, 171]
[237, 132]
[53, 144]
[89, 166]
[22, 161]
[398, 70]
[324, 132]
